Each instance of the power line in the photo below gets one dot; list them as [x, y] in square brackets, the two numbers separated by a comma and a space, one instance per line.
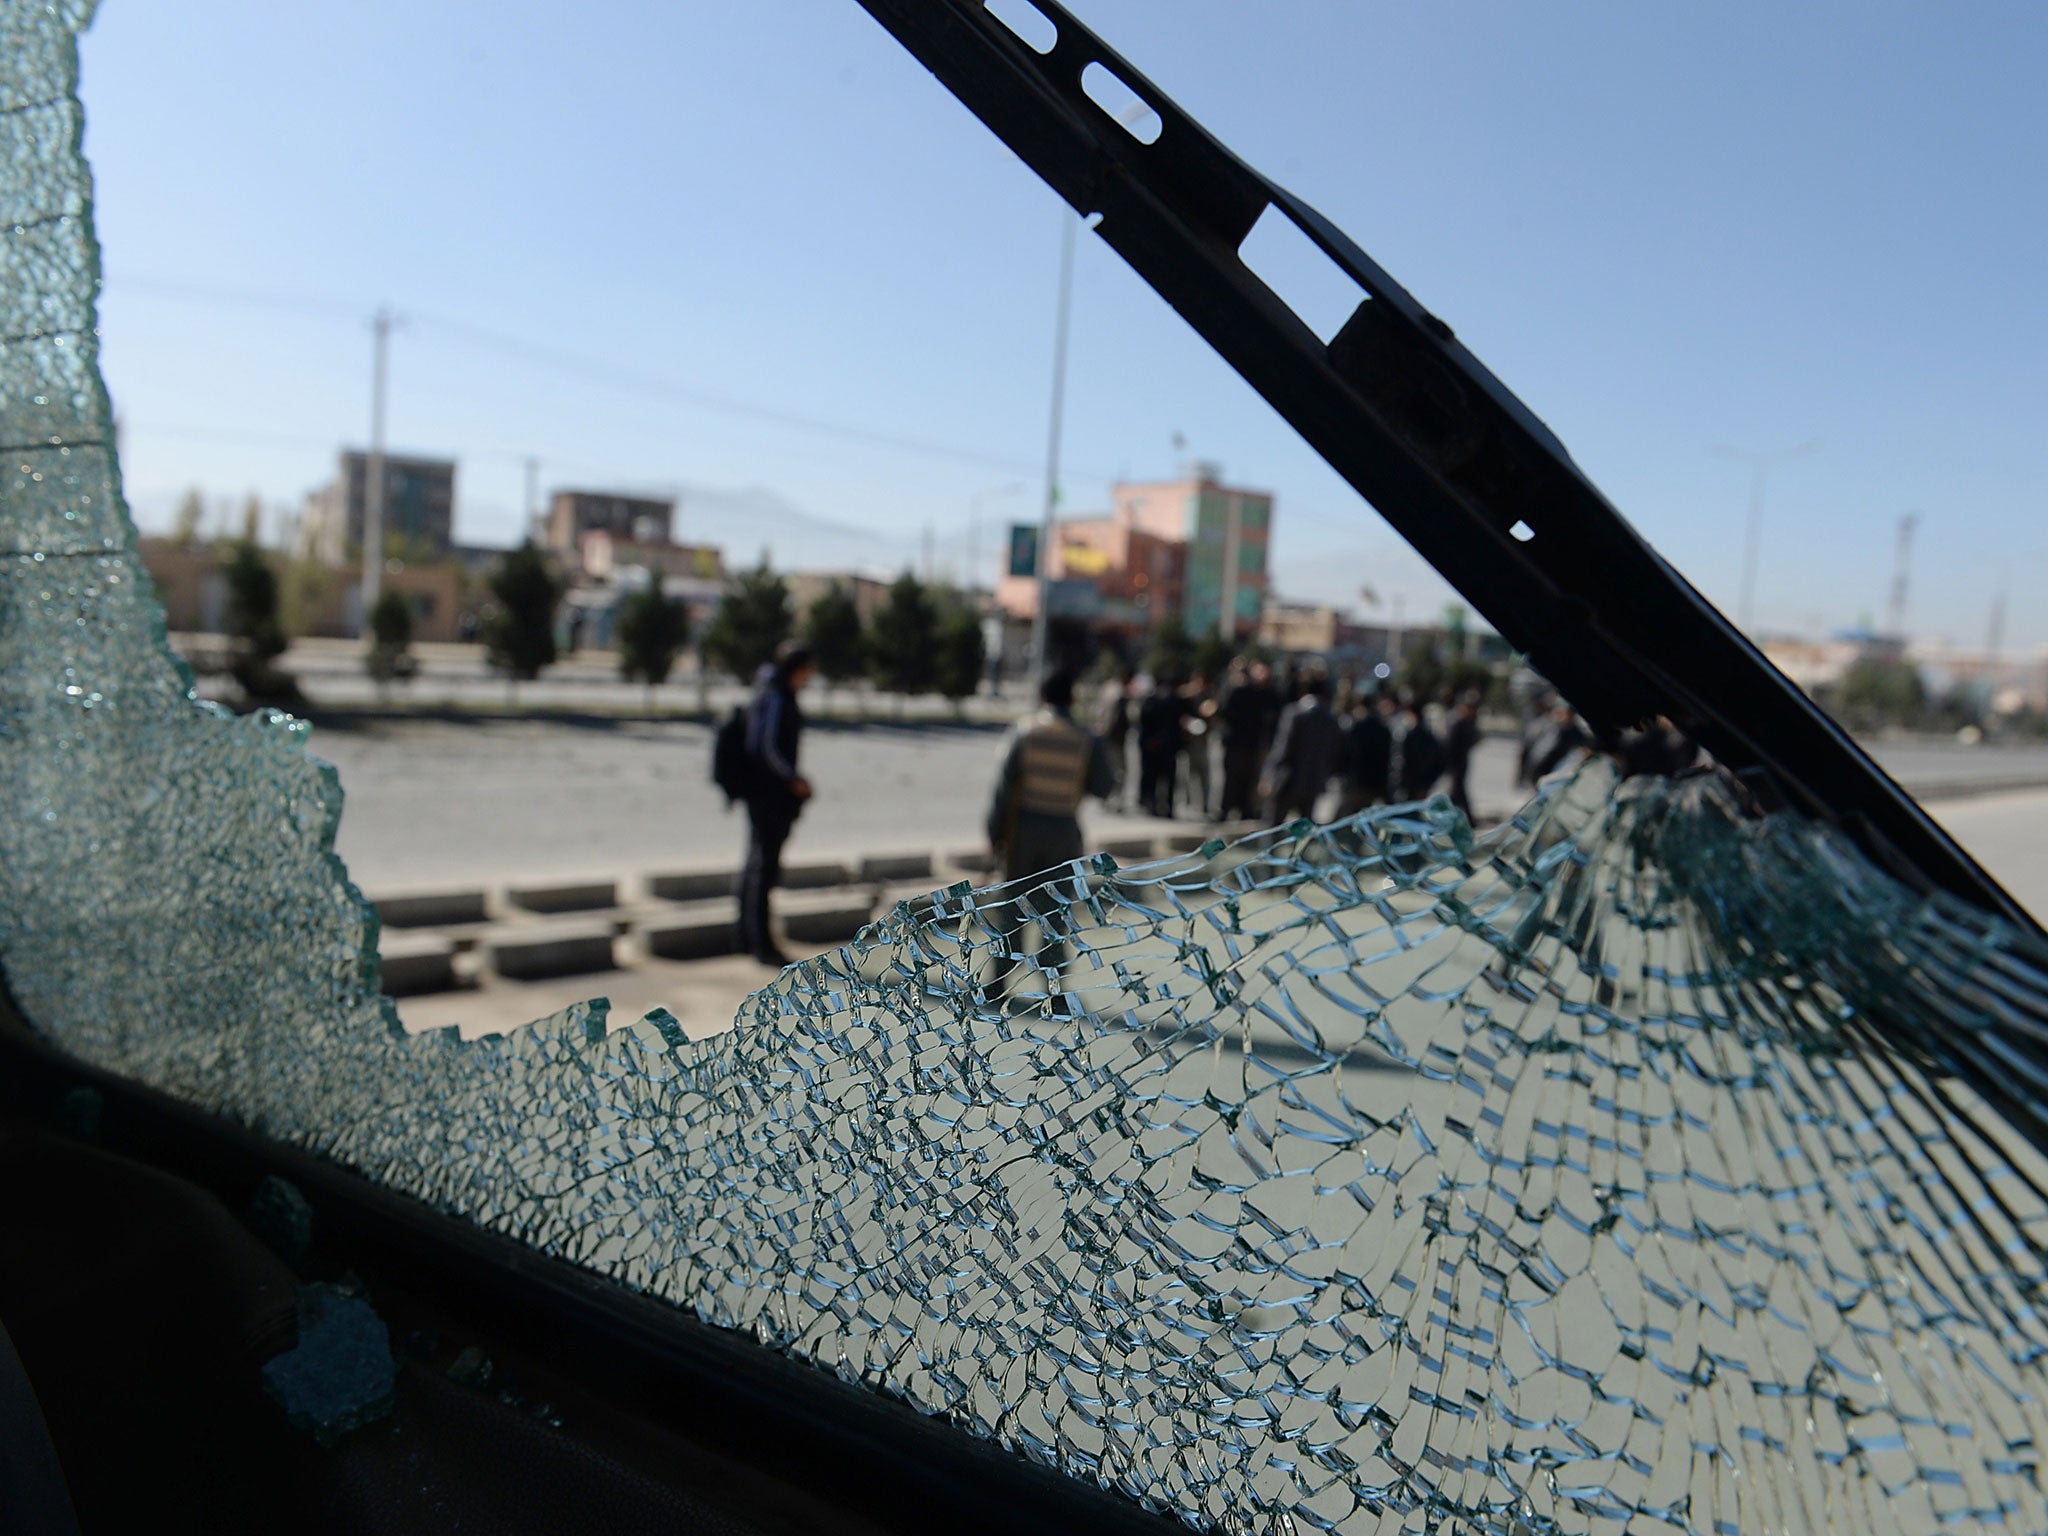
[598, 370]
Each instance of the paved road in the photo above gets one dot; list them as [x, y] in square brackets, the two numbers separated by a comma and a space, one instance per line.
[485, 801]
[489, 800]
[2008, 835]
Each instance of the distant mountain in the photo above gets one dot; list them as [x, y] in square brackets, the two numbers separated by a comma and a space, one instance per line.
[745, 520]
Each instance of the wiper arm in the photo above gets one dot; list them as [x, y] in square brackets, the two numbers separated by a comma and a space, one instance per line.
[1416, 424]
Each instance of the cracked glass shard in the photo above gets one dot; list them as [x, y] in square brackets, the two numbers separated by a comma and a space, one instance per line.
[340, 1375]
[1640, 1164]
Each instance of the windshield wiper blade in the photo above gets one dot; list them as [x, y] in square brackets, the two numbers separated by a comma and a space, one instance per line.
[1418, 426]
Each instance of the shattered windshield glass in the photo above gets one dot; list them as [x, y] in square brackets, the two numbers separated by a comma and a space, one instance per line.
[1637, 1164]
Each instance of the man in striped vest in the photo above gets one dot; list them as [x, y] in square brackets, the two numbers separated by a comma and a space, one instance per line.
[1034, 820]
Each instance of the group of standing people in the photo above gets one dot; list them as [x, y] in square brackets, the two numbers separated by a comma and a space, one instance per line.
[1284, 743]
[1377, 748]
[1283, 746]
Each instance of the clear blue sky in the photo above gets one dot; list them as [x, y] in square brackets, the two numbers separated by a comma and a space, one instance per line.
[1665, 227]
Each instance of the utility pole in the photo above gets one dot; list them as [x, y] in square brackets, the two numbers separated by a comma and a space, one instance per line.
[1994, 642]
[1896, 619]
[927, 554]
[373, 478]
[532, 494]
[1760, 465]
[1040, 661]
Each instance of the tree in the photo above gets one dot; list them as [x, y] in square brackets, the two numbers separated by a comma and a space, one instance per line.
[753, 618]
[307, 584]
[191, 517]
[652, 628]
[1874, 693]
[256, 635]
[390, 653]
[959, 654]
[902, 639]
[832, 630]
[519, 636]
[1172, 654]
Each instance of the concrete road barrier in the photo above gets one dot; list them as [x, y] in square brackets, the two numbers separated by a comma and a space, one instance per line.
[564, 896]
[551, 949]
[694, 883]
[438, 908]
[828, 918]
[701, 936]
[415, 963]
[888, 868]
[816, 874]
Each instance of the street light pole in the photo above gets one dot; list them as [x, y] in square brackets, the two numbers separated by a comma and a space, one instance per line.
[1760, 465]
[1068, 219]
[373, 478]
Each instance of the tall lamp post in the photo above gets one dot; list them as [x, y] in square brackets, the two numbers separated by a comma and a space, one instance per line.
[381, 324]
[1760, 466]
[1040, 662]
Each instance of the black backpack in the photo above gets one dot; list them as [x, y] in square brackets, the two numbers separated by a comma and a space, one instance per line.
[732, 765]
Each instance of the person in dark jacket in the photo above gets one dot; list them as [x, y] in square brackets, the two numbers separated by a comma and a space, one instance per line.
[1307, 750]
[1460, 738]
[1418, 755]
[776, 793]
[1561, 740]
[1159, 732]
[1246, 712]
[1534, 730]
[1034, 820]
[1368, 756]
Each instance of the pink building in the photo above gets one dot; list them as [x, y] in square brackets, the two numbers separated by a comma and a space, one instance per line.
[1167, 549]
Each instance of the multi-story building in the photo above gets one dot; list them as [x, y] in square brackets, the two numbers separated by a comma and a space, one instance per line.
[1186, 550]
[635, 519]
[1227, 532]
[419, 509]
[599, 554]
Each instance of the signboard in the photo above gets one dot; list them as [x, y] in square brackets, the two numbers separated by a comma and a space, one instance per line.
[1023, 549]
[1083, 559]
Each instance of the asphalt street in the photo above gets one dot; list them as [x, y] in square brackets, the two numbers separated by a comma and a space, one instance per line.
[438, 800]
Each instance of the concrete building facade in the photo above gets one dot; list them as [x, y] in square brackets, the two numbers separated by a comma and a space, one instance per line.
[633, 519]
[1227, 532]
[1168, 551]
[419, 510]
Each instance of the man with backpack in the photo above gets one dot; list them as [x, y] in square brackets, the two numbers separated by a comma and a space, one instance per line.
[754, 759]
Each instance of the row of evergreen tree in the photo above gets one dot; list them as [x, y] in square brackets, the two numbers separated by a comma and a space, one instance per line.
[920, 639]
